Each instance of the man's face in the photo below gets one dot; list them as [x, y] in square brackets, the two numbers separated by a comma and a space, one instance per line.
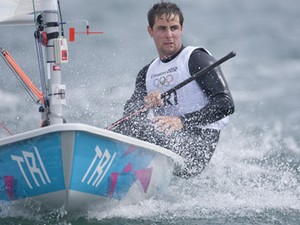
[166, 35]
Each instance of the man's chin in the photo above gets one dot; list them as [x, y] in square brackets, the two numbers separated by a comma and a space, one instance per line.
[169, 52]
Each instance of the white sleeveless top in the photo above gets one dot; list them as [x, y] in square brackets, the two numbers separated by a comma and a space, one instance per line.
[163, 76]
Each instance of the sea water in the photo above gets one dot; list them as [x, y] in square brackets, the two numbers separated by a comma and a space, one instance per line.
[254, 175]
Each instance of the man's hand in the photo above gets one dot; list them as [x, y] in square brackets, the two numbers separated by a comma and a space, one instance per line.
[153, 100]
[167, 124]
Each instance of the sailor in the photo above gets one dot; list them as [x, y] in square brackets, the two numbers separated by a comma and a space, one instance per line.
[187, 122]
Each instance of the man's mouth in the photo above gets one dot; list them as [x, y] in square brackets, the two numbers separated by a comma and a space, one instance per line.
[168, 43]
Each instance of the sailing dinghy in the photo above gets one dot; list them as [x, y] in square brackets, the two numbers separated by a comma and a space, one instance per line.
[70, 165]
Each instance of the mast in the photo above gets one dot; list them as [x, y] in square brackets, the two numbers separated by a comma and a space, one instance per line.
[51, 49]
[56, 54]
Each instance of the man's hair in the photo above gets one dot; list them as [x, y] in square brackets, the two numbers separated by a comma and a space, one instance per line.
[162, 8]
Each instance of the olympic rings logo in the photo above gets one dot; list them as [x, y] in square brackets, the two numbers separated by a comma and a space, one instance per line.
[163, 81]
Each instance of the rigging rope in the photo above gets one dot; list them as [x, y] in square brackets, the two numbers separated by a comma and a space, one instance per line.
[39, 52]
[5, 128]
[34, 13]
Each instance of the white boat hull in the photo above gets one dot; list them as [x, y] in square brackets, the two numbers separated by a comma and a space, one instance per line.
[75, 165]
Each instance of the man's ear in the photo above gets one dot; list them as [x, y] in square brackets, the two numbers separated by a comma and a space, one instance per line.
[150, 31]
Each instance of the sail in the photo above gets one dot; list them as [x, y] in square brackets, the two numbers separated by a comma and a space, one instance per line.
[22, 12]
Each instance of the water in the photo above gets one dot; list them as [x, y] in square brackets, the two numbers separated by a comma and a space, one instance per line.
[254, 177]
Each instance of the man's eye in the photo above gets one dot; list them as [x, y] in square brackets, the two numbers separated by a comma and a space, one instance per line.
[174, 28]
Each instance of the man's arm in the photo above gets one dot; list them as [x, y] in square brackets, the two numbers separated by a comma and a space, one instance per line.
[220, 102]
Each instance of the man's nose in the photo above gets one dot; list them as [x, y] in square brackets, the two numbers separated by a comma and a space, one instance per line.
[169, 32]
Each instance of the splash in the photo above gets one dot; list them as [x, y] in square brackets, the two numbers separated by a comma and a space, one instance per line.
[251, 177]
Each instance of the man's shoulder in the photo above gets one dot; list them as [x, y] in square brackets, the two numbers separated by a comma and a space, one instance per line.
[200, 58]
[200, 50]
[195, 53]
[144, 70]
[201, 54]
[146, 67]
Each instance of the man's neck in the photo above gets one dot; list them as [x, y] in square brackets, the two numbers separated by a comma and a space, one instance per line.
[169, 58]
